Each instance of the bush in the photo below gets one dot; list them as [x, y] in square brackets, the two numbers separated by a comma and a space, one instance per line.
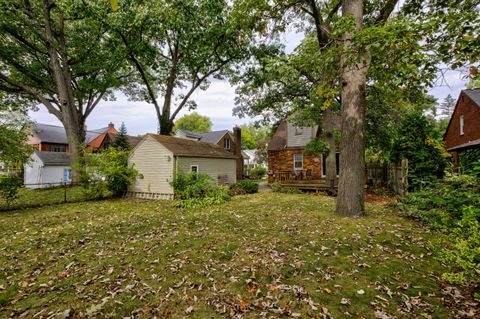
[106, 173]
[249, 187]
[9, 186]
[196, 191]
[451, 206]
[258, 172]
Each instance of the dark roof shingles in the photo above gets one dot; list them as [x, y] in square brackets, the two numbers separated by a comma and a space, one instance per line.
[58, 158]
[474, 95]
[185, 147]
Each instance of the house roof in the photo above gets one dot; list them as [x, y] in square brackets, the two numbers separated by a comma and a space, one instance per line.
[279, 139]
[56, 134]
[463, 146]
[54, 158]
[474, 95]
[213, 137]
[185, 147]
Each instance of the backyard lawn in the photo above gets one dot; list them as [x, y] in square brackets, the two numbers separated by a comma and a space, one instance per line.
[262, 255]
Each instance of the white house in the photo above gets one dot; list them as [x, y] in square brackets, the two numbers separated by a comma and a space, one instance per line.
[46, 169]
[158, 157]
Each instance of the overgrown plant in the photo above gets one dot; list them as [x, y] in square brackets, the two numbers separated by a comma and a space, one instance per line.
[107, 174]
[9, 186]
[197, 190]
[258, 172]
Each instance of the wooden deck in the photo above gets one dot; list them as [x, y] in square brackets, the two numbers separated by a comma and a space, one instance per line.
[306, 184]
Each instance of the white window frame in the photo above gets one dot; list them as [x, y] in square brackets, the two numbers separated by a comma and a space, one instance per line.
[462, 125]
[295, 161]
[226, 141]
[298, 130]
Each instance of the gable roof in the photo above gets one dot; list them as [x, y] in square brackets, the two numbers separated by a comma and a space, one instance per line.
[54, 158]
[279, 139]
[209, 137]
[190, 148]
[56, 134]
[474, 95]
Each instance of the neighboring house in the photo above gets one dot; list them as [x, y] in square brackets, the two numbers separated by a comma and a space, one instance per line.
[158, 157]
[286, 158]
[250, 160]
[52, 138]
[46, 169]
[223, 138]
[463, 130]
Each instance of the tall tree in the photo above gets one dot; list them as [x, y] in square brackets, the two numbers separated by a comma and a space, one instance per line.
[53, 52]
[121, 141]
[447, 106]
[177, 48]
[194, 122]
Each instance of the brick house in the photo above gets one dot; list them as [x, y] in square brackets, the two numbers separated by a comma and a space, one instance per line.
[463, 130]
[286, 154]
[223, 138]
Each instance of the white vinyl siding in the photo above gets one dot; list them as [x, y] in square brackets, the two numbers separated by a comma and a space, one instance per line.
[214, 167]
[38, 175]
[155, 163]
[302, 139]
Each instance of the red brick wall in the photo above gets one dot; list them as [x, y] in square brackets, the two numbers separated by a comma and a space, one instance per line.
[48, 147]
[471, 115]
[282, 161]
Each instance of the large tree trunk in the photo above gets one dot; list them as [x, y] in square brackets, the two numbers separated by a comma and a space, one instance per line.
[330, 165]
[351, 196]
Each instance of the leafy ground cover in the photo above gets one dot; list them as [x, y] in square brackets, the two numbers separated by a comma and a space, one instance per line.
[41, 197]
[261, 255]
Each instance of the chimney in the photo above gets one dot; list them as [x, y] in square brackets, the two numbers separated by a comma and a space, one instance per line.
[237, 150]
[111, 125]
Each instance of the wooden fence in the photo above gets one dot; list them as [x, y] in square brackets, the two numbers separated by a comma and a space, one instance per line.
[392, 176]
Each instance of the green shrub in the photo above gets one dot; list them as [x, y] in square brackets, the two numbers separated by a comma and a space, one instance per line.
[250, 187]
[197, 190]
[107, 173]
[258, 172]
[9, 186]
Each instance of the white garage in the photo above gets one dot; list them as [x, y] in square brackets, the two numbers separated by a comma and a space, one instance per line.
[47, 169]
[157, 157]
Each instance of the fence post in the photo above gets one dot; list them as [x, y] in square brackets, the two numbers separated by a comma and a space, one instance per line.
[64, 192]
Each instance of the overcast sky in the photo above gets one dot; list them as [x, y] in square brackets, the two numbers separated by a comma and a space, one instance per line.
[216, 102]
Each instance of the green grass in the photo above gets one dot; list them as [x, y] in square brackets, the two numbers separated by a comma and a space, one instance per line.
[41, 197]
[258, 255]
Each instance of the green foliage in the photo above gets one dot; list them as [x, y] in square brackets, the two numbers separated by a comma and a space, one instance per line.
[194, 122]
[252, 134]
[121, 141]
[197, 190]
[9, 186]
[468, 161]
[417, 140]
[107, 173]
[317, 146]
[452, 206]
[464, 256]
[250, 187]
[258, 172]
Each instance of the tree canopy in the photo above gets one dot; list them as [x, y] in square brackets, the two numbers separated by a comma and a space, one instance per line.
[194, 122]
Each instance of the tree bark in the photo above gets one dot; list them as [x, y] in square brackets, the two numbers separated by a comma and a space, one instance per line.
[351, 194]
[330, 165]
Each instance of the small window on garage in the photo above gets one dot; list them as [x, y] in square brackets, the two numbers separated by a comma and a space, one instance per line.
[462, 125]
[194, 168]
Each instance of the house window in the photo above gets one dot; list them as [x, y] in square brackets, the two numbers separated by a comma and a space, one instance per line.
[298, 130]
[298, 161]
[226, 143]
[462, 125]
[57, 148]
[194, 168]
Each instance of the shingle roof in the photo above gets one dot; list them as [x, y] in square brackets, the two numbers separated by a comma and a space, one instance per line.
[185, 147]
[463, 146]
[212, 137]
[474, 95]
[279, 139]
[54, 158]
[56, 134]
